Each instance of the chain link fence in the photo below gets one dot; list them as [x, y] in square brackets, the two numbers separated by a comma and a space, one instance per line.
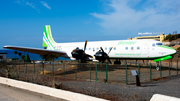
[99, 72]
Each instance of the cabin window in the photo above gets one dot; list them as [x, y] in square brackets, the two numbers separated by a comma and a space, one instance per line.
[138, 48]
[159, 44]
[153, 45]
[126, 48]
[114, 48]
[97, 48]
[105, 48]
[89, 48]
[93, 48]
[132, 48]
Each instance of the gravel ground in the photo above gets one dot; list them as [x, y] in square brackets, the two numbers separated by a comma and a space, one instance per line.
[112, 91]
[168, 86]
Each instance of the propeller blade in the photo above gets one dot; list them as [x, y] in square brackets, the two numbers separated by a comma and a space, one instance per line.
[85, 45]
[109, 61]
[110, 50]
[89, 55]
[102, 49]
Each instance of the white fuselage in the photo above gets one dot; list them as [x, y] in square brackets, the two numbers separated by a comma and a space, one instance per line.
[145, 49]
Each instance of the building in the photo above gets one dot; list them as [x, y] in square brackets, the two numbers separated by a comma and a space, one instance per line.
[159, 37]
[2, 56]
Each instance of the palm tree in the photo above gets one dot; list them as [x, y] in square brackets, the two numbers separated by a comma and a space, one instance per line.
[15, 52]
[20, 54]
[22, 57]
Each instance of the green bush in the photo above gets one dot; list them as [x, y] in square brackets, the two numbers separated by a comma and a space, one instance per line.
[178, 49]
[171, 37]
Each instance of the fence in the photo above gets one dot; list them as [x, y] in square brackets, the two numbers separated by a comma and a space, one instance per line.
[100, 72]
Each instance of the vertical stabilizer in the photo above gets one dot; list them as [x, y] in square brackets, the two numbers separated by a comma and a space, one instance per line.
[48, 40]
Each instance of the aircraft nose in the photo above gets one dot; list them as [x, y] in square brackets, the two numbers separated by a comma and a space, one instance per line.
[172, 51]
[169, 50]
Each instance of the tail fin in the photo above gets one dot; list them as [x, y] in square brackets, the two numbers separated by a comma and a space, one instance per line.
[48, 40]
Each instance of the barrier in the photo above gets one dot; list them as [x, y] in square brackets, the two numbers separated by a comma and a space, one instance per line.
[159, 97]
[67, 95]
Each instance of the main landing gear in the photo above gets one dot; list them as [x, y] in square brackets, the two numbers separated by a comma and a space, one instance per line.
[117, 61]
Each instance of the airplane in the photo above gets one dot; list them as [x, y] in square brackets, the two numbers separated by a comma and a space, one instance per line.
[141, 49]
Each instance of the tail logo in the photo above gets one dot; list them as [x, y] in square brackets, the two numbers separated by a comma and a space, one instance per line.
[48, 40]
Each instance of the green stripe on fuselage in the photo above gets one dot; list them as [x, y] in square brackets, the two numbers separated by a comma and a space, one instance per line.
[166, 47]
[163, 58]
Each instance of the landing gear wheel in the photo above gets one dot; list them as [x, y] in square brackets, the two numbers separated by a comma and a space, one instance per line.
[157, 66]
[117, 62]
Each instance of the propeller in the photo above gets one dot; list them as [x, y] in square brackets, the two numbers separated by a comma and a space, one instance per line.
[102, 56]
[80, 54]
[108, 54]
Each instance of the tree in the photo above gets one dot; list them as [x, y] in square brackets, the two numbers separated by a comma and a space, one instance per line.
[22, 57]
[15, 52]
[49, 57]
[19, 54]
[172, 37]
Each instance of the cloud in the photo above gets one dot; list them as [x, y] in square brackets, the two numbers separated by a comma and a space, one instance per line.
[45, 4]
[130, 17]
[18, 1]
[31, 5]
[23, 2]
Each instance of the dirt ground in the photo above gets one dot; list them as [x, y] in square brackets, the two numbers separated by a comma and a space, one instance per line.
[76, 77]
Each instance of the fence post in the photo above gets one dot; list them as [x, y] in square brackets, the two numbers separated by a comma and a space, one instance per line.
[6, 65]
[76, 71]
[53, 69]
[139, 71]
[96, 71]
[90, 71]
[26, 68]
[43, 68]
[34, 66]
[169, 69]
[126, 73]
[106, 74]
[12, 65]
[63, 70]
[177, 67]
[19, 69]
[160, 70]
[150, 71]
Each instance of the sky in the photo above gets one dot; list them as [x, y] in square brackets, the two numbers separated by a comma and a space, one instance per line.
[22, 21]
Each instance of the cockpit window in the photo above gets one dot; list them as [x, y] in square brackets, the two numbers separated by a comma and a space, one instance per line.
[159, 44]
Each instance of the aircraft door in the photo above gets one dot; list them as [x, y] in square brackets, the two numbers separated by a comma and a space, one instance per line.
[144, 48]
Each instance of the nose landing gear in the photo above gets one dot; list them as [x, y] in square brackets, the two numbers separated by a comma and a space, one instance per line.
[157, 66]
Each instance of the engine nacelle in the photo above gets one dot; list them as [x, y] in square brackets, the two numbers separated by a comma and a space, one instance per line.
[101, 56]
[78, 53]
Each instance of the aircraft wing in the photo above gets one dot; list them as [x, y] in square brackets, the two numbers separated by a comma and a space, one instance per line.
[38, 51]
